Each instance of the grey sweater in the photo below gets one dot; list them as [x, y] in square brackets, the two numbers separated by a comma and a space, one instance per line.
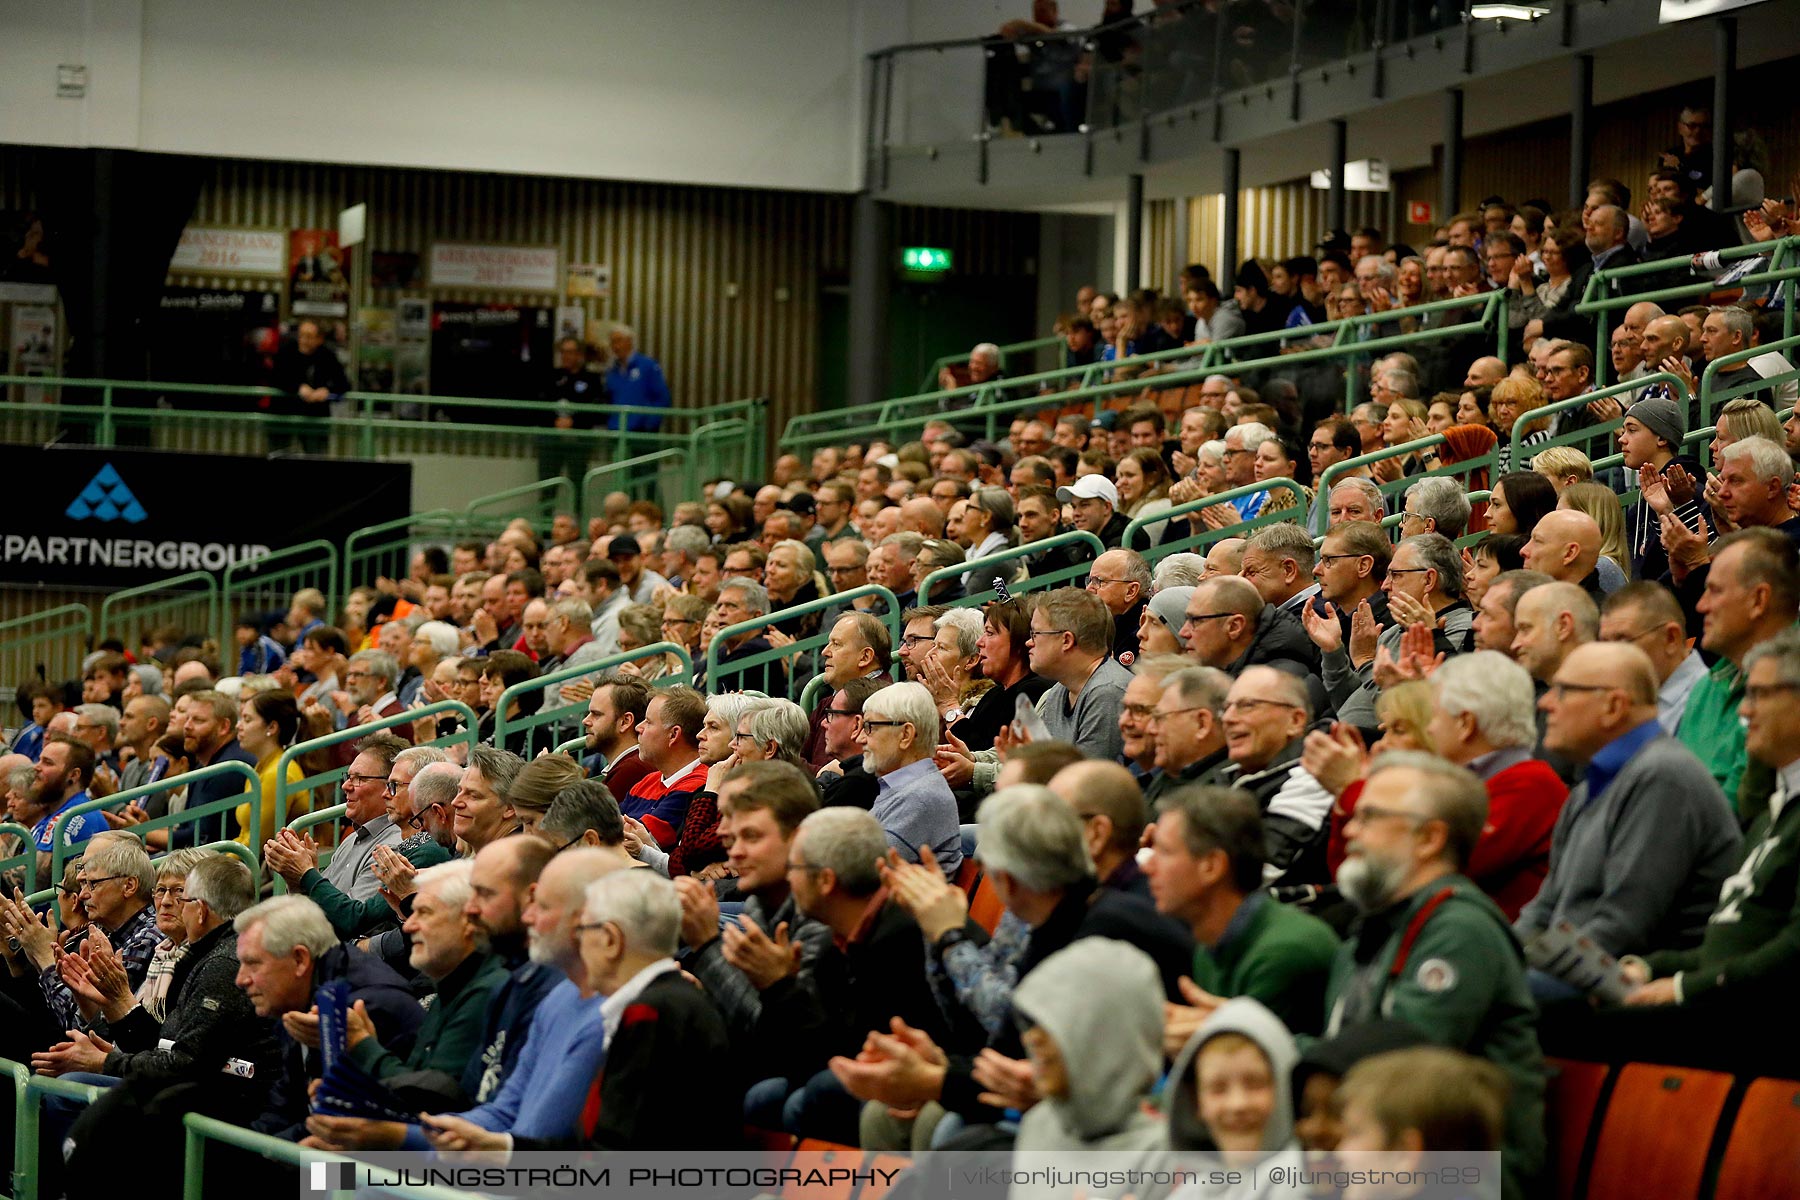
[1638, 867]
[1092, 723]
[1352, 689]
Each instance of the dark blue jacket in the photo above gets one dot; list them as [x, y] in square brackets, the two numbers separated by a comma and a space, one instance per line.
[509, 1014]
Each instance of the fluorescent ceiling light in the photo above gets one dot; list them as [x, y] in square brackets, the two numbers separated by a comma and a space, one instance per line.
[1516, 12]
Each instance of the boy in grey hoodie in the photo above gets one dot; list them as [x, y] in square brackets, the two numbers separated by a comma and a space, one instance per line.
[1250, 1121]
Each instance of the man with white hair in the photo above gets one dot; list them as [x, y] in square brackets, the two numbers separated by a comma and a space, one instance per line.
[635, 380]
[570, 631]
[432, 642]
[443, 950]
[1484, 719]
[914, 804]
[1121, 580]
[1356, 500]
[1435, 505]
[1241, 444]
[661, 1034]
[287, 951]
[1177, 570]
[743, 599]
[1278, 563]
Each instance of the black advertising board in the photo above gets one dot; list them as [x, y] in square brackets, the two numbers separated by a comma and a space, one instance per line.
[99, 518]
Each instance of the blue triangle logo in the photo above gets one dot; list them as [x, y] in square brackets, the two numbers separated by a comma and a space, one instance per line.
[106, 498]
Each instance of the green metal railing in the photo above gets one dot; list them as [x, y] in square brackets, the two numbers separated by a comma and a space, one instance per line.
[1712, 394]
[269, 582]
[1007, 354]
[60, 853]
[548, 719]
[284, 788]
[28, 1093]
[26, 857]
[385, 548]
[55, 639]
[807, 646]
[198, 1130]
[545, 498]
[1606, 289]
[1061, 577]
[721, 449]
[674, 479]
[1198, 542]
[903, 414]
[190, 600]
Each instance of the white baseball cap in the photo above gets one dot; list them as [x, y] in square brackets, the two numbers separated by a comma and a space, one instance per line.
[1090, 487]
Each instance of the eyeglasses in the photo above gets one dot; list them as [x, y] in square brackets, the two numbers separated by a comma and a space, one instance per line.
[1095, 581]
[840, 712]
[355, 780]
[1250, 705]
[1196, 618]
[1229, 452]
[1375, 812]
[1409, 570]
[1335, 557]
[1038, 633]
[1175, 712]
[1560, 689]
[168, 893]
[1757, 693]
[914, 639]
[88, 885]
[1142, 712]
[393, 786]
[868, 724]
[417, 820]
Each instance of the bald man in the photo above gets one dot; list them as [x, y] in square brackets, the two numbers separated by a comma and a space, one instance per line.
[1226, 557]
[1549, 623]
[1646, 837]
[921, 515]
[1484, 372]
[1565, 545]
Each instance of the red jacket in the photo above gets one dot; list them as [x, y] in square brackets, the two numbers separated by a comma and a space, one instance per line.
[1513, 855]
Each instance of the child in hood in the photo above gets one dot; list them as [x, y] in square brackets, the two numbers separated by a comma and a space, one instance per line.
[1228, 1095]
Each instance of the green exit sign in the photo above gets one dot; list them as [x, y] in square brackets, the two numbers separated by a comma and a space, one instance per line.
[928, 260]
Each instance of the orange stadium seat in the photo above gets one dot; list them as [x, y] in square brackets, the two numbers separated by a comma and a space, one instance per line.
[1656, 1133]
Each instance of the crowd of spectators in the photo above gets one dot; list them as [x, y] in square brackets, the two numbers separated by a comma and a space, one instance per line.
[1313, 813]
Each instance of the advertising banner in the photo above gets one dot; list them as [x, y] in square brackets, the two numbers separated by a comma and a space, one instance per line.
[112, 518]
[318, 274]
[498, 268]
[205, 250]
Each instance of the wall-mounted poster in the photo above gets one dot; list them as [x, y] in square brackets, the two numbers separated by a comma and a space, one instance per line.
[215, 335]
[497, 268]
[207, 250]
[24, 247]
[318, 274]
[589, 280]
[499, 351]
[31, 345]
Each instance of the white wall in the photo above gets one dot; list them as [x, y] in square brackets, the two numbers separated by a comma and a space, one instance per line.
[760, 93]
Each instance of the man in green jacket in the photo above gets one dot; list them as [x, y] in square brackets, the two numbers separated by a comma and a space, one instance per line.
[1430, 948]
[1748, 598]
[1715, 1005]
[1205, 870]
[443, 950]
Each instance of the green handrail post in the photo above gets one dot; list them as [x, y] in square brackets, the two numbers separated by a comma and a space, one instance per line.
[325, 561]
[113, 624]
[549, 716]
[806, 645]
[562, 490]
[197, 1130]
[699, 446]
[357, 555]
[1710, 376]
[673, 454]
[572, 746]
[1195, 541]
[28, 1115]
[952, 360]
[107, 433]
[24, 1154]
[67, 632]
[60, 853]
[356, 732]
[1592, 431]
[1061, 577]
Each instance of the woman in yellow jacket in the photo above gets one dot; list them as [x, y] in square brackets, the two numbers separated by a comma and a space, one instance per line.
[268, 723]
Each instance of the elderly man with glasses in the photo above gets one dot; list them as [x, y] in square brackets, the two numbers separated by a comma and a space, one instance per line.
[350, 871]
[1646, 837]
[1266, 716]
[914, 804]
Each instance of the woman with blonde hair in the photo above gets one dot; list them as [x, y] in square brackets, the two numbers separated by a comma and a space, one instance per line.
[1743, 417]
[1602, 503]
[1511, 399]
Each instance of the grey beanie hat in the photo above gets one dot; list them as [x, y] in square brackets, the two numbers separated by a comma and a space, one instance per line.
[1663, 417]
[1170, 607]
